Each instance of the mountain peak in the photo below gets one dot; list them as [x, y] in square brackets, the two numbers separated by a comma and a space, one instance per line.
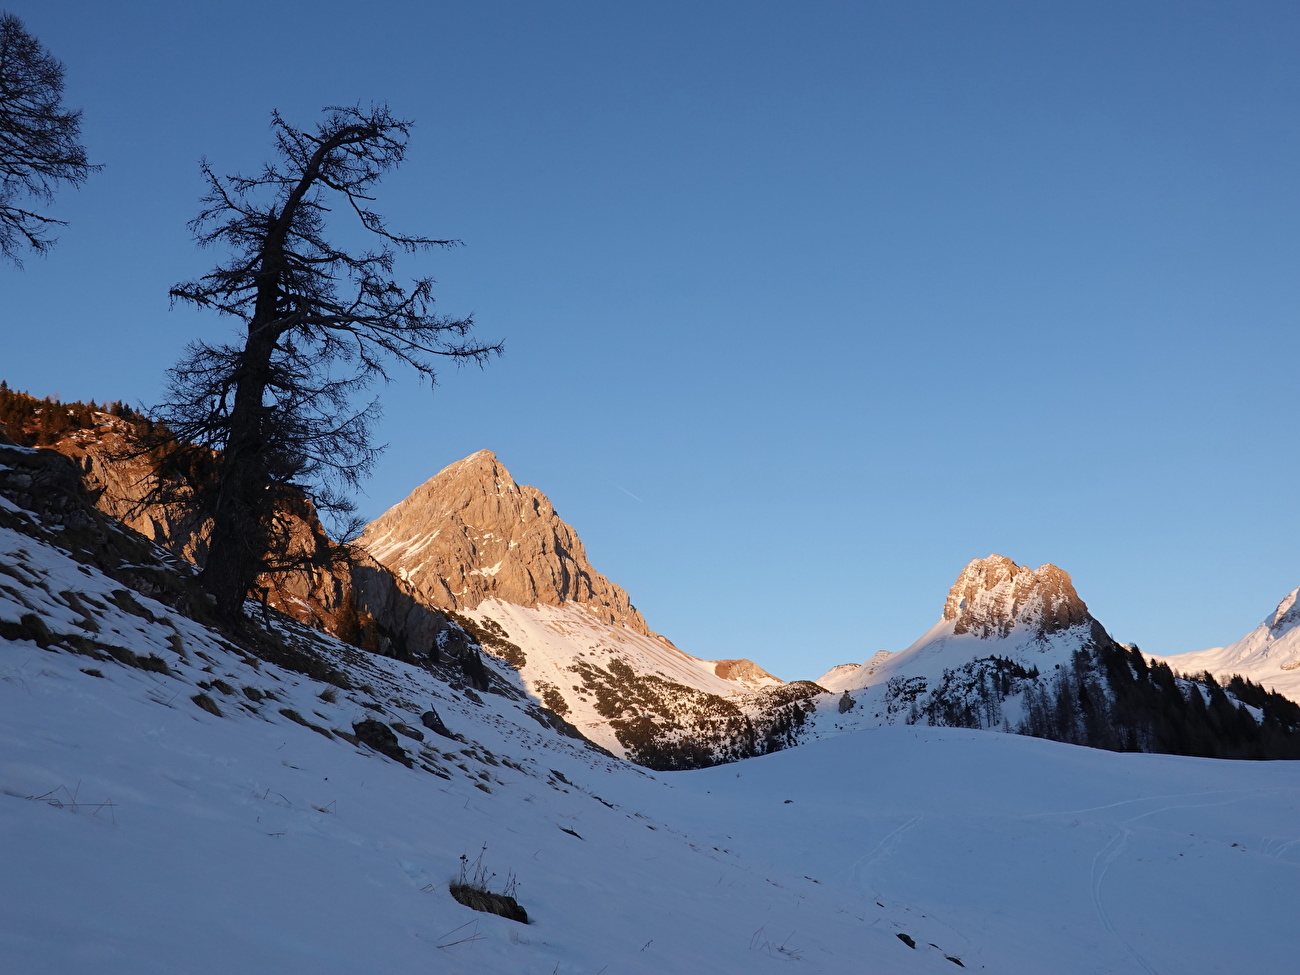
[471, 533]
[1286, 615]
[994, 595]
[478, 460]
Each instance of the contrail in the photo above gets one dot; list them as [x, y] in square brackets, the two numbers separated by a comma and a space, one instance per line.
[626, 491]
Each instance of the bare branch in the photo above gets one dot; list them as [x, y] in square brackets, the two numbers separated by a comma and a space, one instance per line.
[38, 139]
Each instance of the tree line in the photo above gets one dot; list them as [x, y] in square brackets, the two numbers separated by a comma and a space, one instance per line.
[1110, 696]
[32, 422]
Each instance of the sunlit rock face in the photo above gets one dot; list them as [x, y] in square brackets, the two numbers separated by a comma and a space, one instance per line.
[994, 595]
[470, 533]
[745, 672]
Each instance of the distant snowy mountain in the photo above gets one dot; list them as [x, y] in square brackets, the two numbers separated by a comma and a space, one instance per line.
[1016, 649]
[1268, 655]
[494, 554]
[1003, 626]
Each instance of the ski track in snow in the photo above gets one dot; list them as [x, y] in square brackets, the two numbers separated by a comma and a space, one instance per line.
[1108, 854]
[1244, 794]
[881, 850]
[1100, 864]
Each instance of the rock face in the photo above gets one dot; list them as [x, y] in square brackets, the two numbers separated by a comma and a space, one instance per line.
[993, 595]
[470, 533]
[45, 498]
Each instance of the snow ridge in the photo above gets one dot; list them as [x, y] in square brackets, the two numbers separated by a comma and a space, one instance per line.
[1268, 654]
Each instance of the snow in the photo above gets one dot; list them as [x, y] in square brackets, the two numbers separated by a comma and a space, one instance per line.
[939, 649]
[144, 835]
[555, 637]
[1268, 655]
[386, 547]
[842, 676]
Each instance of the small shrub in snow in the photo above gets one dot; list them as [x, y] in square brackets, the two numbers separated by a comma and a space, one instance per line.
[207, 704]
[471, 889]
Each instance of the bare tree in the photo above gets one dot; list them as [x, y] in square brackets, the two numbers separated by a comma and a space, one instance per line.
[255, 425]
[38, 140]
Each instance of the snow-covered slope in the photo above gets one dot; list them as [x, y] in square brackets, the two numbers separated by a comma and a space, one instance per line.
[1268, 655]
[636, 694]
[563, 642]
[146, 838]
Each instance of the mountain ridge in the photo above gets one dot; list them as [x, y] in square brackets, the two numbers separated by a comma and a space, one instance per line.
[569, 638]
[1016, 649]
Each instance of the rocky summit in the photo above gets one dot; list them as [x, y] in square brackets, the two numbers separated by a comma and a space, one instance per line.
[994, 595]
[470, 533]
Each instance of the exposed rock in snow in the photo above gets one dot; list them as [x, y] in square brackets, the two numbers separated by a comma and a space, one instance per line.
[745, 672]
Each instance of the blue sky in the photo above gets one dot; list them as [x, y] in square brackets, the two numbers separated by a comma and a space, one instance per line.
[805, 305]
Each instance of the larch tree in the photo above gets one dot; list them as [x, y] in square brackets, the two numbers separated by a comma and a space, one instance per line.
[39, 146]
[255, 425]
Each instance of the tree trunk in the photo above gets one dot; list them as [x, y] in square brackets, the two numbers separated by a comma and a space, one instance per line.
[244, 506]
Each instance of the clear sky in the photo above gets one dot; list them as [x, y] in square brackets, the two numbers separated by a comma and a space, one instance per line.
[805, 304]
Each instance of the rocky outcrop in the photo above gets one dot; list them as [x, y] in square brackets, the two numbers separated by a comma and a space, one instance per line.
[471, 533]
[992, 596]
[117, 475]
[44, 497]
[745, 672]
